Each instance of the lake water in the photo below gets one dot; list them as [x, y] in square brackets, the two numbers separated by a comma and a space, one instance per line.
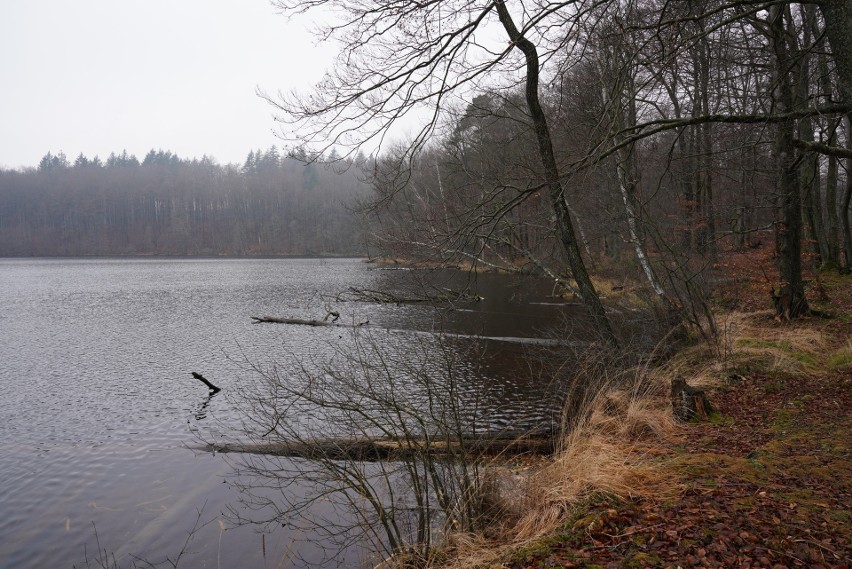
[99, 414]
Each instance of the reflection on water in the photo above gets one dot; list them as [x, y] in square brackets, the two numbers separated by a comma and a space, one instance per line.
[201, 411]
[98, 406]
[386, 434]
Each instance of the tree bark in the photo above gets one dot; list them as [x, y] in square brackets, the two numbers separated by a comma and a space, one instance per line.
[844, 204]
[556, 192]
[301, 322]
[838, 29]
[538, 442]
[831, 209]
[844, 210]
[810, 171]
[789, 230]
[625, 157]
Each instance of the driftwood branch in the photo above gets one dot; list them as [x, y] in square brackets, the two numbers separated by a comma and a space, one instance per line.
[202, 379]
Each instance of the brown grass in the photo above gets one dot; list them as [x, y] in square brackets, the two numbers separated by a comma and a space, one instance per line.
[615, 450]
[748, 341]
[622, 445]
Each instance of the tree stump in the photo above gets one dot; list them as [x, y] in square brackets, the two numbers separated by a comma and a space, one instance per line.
[689, 403]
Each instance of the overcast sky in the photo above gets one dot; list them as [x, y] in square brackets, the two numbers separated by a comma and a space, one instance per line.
[96, 76]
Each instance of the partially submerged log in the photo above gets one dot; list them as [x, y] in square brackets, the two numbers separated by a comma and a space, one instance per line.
[376, 449]
[301, 322]
[275, 320]
[202, 379]
[442, 295]
[690, 403]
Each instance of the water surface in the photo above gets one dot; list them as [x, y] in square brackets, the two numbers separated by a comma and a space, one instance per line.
[98, 410]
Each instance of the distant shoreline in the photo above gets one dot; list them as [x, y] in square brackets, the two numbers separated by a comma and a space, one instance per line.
[178, 257]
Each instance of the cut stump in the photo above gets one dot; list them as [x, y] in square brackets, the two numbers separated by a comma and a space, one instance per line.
[690, 403]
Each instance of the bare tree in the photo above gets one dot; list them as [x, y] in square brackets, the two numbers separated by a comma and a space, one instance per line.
[396, 439]
[399, 56]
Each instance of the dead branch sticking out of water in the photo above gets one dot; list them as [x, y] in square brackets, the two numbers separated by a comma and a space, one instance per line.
[383, 297]
[202, 379]
[377, 449]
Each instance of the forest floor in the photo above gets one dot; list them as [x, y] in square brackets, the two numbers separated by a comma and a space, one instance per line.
[767, 482]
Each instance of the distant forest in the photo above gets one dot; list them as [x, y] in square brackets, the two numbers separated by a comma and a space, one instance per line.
[165, 205]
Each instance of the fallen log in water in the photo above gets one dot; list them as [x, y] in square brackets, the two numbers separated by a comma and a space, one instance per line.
[375, 449]
[274, 320]
[301, 322]
[444, 295]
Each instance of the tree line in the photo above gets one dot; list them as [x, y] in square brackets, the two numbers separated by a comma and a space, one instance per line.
[643, 136]
[273, 204]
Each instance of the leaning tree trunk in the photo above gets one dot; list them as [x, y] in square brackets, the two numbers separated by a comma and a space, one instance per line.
[789, 296]
[555, 190]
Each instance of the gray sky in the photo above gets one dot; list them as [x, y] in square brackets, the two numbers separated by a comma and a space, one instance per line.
[97, 76]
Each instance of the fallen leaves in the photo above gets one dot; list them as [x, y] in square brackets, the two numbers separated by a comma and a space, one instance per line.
[770, 486]
[756, 497]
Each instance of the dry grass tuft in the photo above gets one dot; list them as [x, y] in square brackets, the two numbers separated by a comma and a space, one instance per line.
[784, 348]
[593, 461]
[613, 450]
[748, 341]
[619, 426]
[841, 359]
[634, 416]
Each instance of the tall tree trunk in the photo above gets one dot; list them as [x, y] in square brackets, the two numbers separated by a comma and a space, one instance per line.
[845, 202]
[707, 150]
[838, 29]
[844, 211]
[790, 298]
[831, 222]
[612, 93]
[684, 228]
[831, 206]
[703, 152]
[810, 173]
[555, 190]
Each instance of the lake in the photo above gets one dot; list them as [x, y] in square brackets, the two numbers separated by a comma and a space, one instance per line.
[100, 417]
